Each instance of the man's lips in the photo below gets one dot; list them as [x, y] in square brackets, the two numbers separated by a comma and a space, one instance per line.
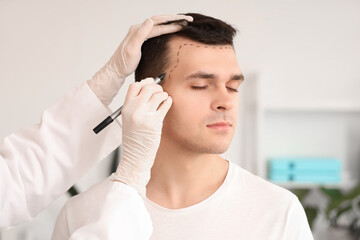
[220, 125]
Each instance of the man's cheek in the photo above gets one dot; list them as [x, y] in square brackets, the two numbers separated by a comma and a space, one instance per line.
[194, 110]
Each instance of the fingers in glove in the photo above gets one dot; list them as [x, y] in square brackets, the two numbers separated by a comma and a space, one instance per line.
[138, 34]
[151, 28]
[156, 99]
[135, 88]
[167, 18]
[164, 107]
[168, 24]
[164, 29]
[147, 91]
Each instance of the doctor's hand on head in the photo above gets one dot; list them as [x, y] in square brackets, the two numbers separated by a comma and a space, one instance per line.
[108, 80]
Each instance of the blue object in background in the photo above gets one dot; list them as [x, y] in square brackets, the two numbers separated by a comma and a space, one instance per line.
[305, 170]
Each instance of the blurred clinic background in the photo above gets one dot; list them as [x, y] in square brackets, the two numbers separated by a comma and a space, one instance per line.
[299, 122]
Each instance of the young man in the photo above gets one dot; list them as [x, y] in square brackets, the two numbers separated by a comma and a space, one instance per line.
[193, 193]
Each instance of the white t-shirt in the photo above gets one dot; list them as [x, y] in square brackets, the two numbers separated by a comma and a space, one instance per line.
[244, 207]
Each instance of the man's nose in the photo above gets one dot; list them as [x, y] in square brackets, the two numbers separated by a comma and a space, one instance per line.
[223, 100]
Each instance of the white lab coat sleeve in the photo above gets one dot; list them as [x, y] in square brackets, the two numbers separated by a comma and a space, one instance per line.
[109, 210]
[41, 162]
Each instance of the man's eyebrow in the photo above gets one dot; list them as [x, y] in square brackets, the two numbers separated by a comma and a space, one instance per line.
[238, 77]
[205, 75]
[201, 75]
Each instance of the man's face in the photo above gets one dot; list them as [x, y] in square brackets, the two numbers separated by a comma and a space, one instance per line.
[203, 81]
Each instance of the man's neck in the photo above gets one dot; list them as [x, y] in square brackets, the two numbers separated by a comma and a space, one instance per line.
[181, 178]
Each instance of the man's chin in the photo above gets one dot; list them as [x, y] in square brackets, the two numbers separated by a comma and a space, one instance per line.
[218, 149]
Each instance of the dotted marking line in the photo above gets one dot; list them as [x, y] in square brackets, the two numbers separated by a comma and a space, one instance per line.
[193, 45]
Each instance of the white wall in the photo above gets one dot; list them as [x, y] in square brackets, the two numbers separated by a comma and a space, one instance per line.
[305, 52]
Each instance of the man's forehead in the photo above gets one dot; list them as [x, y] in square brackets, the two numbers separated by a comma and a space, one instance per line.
[177, 43]
[197, 55]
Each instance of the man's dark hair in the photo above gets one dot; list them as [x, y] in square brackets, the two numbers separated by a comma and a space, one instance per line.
[203, 29]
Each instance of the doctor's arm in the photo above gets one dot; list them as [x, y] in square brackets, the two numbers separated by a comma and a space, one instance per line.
[41, 162]
[114, 208]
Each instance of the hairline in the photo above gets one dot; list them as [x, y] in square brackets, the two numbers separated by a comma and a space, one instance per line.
[172, 56]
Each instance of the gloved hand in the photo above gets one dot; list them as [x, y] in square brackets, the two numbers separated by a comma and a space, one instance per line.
[107, 82]
[142, 121]
[145, 107]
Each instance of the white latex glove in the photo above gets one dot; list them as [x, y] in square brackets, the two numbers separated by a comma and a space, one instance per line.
[142, 121]
[107, 82]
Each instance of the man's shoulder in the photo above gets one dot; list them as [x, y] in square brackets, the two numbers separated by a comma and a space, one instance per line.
[254, 185]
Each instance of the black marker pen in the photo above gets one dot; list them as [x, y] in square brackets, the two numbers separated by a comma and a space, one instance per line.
[117, 113]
